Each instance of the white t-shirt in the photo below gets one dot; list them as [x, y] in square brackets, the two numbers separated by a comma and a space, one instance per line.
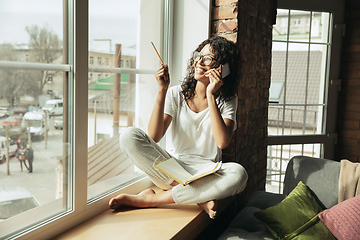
[189, 137]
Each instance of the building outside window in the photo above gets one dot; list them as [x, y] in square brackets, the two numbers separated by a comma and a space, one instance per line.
[296, 22]
[91, 61]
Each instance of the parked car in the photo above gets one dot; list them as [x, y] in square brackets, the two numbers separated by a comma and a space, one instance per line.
[12, 121]
[15, 200]
[54, 107]
[4, 112]
[3, 148]
[58, 122]
[37, 122]
[19, 110]
[14, 132]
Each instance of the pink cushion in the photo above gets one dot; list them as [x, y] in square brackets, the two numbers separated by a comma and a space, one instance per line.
[343, 219]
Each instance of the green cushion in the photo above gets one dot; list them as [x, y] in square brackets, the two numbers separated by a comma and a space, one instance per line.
[296, 217]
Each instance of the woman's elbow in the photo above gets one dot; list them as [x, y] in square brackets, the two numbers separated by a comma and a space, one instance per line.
[223, 144]
[154, 137]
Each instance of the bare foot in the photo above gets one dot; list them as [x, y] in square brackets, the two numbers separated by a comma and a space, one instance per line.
[139, 200]
[209, 207]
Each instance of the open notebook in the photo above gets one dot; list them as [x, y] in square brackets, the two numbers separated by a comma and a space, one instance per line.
[174, 170]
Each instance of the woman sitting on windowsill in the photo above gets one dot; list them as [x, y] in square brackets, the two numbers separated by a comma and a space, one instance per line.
[199, 117]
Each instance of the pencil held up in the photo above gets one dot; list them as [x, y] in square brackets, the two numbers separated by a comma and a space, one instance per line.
[157, 53]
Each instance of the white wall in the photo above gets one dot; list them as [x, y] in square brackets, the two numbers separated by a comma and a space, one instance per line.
[190, 26]
[146, 85]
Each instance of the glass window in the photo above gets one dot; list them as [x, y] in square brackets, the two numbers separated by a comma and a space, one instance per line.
[118, 31]
[115, 101]
[34, 74]
[299, 30]
[297, 91]
[298, 76]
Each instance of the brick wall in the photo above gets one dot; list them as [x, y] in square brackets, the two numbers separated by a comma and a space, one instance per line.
[348, 122]
[249, 24]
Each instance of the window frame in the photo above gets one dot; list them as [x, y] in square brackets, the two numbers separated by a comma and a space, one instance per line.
[328, 138]
[80, 209]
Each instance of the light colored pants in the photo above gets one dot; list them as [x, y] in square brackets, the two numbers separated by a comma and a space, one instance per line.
[145, 153]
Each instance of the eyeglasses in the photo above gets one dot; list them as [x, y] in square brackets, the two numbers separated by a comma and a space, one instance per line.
[206, 59]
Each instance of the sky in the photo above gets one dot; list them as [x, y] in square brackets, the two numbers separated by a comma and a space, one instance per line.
[109, 19]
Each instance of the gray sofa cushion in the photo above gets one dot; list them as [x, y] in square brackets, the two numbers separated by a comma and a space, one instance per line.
[263, 200]
[320, 175]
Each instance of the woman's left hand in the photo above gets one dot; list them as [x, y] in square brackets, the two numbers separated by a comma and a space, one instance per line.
[215, 79]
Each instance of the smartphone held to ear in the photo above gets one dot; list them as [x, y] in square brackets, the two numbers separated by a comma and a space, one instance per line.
[225, 70]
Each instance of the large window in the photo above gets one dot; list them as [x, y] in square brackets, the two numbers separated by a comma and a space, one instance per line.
[50, 55]
[303, 79]
[299, 61]
[117, 33]
[35, 79]
[52, 117]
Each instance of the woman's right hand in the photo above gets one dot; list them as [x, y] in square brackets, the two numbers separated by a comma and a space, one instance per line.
[162, 76]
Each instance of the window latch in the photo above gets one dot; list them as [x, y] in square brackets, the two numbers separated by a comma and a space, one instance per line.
[341, 27]
[337, 83]
[333, 136]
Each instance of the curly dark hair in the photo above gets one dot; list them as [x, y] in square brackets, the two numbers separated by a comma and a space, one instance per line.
[225, 51]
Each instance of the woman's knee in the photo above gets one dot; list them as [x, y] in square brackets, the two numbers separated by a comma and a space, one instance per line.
[239, 172]
[129, 136]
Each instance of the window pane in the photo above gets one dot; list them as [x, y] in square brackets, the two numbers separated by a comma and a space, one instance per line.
[320, 27]
[298, 76]
[25, 26]
[278, 72]
[34, 112]
[280, 29]
[119, 40]
[33, 175]
[299, 26]
[317, 70]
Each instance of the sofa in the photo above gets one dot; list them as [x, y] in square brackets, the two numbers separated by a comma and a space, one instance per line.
[321, 176]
